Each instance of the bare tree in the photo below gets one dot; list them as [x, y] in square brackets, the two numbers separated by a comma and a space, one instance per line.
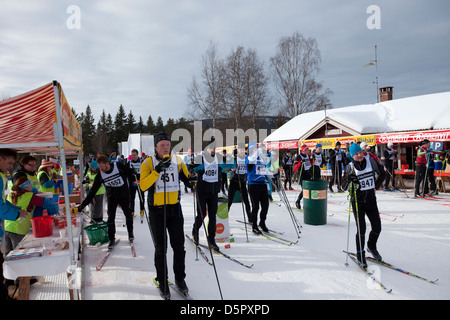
[258, 97]
[206, 97]
[233, 90]
[236, 84]
[295, 66]
[4, 97]
[246, 88]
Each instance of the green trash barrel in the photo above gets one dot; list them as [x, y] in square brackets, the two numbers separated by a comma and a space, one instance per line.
[315, 202]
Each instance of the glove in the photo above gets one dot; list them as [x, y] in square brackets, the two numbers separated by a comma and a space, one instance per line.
[354, 180]
[193, 182]
[80, 208]
[163, 165]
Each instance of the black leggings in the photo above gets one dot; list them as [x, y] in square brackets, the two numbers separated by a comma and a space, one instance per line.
[174, 226]
[207, 201]
[259, 196]
[369, 208]
[118, 197]
[241, 186]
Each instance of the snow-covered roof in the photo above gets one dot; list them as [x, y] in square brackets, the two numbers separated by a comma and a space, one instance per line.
[426, 112]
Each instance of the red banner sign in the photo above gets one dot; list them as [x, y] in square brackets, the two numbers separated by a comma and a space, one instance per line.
[282, 145]
[413, 137]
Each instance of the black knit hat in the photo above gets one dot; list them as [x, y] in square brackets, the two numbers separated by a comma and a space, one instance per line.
[161, 136]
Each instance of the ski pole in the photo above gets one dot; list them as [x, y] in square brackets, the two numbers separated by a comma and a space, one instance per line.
[242, 204]
[196, 244]
[394, 180]
[209, 245]
[357, 220]
[165, 235]
[348, 226]
[147, 218]
[285, 201]
[140, 195]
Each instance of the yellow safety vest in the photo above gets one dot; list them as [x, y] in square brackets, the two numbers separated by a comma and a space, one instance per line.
[21, 226]
[41, 187]
[91, 178]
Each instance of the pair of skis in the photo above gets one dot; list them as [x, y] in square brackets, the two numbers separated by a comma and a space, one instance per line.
[273, 235]
[182, 293]
[200, 248]
[108, 253]
[387, 265]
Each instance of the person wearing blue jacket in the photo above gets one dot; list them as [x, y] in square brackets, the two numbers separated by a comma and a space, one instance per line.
[8, 211]
[257, 173]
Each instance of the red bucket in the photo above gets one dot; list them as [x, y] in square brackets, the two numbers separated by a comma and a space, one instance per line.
[42, 226]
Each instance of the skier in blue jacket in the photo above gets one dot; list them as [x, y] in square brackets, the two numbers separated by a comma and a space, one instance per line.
[257, 173]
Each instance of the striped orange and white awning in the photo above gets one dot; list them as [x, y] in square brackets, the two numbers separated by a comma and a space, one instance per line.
[29, 117]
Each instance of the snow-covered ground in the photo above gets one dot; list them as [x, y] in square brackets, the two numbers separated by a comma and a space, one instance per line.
[415, 236]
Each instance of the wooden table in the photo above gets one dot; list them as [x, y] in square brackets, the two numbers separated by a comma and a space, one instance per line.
[440, 174]
[52, 261]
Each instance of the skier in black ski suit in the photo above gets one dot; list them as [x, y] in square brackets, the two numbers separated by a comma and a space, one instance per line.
[114, 175]
[364, 175]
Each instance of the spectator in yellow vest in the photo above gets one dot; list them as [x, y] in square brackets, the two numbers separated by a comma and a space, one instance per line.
[45, 176]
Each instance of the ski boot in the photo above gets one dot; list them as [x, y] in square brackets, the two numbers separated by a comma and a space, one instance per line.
[375, 254]
[213, 245]
[262, 225]
[255, 229]
[131, 236]
[163, 289]
[361, 256]
[195, 235]
[297, 203]
[111, 244]
[181, 285]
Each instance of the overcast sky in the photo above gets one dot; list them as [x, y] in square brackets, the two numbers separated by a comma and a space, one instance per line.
[143, 54]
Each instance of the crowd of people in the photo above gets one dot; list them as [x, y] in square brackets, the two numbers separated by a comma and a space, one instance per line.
[251, 170]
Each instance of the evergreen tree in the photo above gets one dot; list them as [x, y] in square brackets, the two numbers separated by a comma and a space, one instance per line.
[150, 125]
[170, 126]
[88, 130]
[120, 129]
[159, 127]
[140, 125]
[102, 122]
[130, 123]
[109, 129]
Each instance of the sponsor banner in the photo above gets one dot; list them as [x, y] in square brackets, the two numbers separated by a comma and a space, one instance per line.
[315, 194]
[222, 227]
[413, 137]
[369, 139]
[71, 127]
[330, 143]
[282, 145]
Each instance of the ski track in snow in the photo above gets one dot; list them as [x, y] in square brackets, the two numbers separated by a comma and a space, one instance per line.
[415, 236]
